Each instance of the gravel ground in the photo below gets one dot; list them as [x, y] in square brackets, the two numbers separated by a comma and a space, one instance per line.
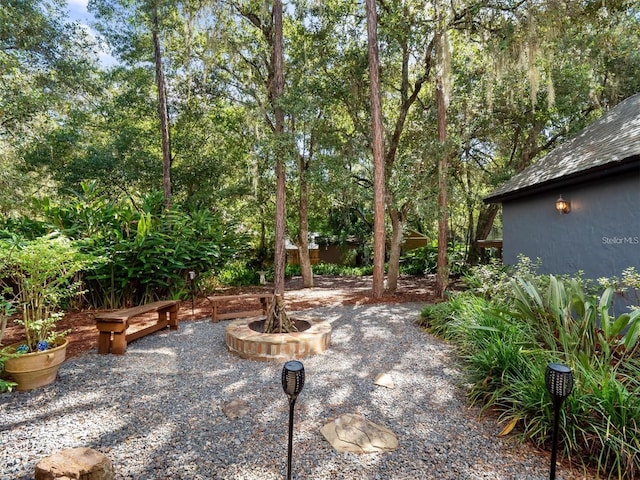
[156, 412]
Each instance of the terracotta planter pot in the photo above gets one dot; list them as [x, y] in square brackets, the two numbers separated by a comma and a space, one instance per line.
[33, 370]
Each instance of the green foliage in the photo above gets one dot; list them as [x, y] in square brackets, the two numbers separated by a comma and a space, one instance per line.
[492, 280]
[21, 226]
[6, 310]
[292, 270]
[451, 319]
[530, 321]
[148, 252]
[628, 285]
[570, 321]
[238, 273]
[420, 261]
[39, 276]
[152, 260]
[243, 272]
[342, 270]
[423, 260]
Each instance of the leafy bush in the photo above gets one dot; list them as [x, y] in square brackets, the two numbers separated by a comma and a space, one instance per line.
[508, 335]
[626, 286]
[6, 310]
[149, 252]
[453, 319]
[342, 270]
[572, 322]
[39, 276]
[22, 227]
[419, 261]
[423, 261]
[293, 270]
[237, 273]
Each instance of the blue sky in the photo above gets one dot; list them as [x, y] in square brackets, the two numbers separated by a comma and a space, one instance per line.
[78, 12]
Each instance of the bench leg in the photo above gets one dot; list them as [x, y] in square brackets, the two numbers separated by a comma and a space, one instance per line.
[173, 318]
[104, 342]
[214, 314]
[119, 345]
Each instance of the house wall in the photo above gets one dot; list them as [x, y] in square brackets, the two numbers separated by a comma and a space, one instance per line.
[293, 256]
[338, 254]
[601, 234]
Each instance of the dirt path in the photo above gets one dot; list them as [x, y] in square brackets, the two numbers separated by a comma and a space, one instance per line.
[328, 290]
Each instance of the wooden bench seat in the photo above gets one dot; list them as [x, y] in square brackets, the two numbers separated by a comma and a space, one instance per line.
[113, 326]
[220, 300]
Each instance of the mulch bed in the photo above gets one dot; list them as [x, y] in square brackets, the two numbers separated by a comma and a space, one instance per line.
[327, 291]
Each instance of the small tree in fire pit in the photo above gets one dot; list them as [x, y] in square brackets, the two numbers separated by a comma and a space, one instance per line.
[277, 319]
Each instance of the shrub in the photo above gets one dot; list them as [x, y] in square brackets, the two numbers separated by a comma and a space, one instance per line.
[423, 261]
[39, 276]
[6, 310]
[419, 261]
[149, 252]
[237, 273]
[508, 335]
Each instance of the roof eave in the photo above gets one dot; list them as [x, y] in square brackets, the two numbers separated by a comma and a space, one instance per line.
[583, 176]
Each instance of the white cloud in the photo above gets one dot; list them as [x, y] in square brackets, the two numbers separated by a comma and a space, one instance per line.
[78, 4]
[77, 9]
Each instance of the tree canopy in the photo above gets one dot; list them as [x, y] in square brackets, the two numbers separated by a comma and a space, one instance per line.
[516, 79]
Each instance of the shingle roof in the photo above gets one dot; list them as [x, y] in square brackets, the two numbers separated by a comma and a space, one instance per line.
[609, 142]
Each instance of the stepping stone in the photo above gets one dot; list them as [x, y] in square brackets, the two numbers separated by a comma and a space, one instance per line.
[236, 409]
[75, 463]
[384, 380]
[355, 434]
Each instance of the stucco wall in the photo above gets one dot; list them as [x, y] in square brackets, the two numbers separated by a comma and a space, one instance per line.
[601, 235]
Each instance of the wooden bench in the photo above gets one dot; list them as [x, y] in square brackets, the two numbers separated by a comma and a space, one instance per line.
[113, 325]
[220, 300]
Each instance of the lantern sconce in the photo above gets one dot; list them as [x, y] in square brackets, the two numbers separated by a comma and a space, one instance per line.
[563, 206]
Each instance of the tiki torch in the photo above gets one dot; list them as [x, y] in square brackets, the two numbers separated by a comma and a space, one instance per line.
[559, 380]
[292, 383]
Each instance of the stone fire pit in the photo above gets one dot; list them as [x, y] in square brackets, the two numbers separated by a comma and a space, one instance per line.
[245, 338]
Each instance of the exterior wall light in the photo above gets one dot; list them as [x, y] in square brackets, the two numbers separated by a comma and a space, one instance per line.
[562, 205]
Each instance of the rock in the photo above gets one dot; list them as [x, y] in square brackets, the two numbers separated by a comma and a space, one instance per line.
[75, 463]
[384, 380]
[355, 434]
[236, 409]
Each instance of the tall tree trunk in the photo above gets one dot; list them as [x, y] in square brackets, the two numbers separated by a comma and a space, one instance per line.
[377, 147]
[442, 274]
[163, 113]
[303, 223]
[263, 238]
[277, 87]
[397, 230]
[407, 100]
[483, 227]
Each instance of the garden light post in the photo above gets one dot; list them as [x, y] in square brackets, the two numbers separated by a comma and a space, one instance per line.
[559, 380]
[192, 277]
[292, 383]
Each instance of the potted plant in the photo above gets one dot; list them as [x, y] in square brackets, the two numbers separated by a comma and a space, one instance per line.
[38, 276]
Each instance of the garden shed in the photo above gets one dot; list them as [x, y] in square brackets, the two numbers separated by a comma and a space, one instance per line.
[578, 208]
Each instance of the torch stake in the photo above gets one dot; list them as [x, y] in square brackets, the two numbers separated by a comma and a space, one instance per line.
[554, 441]
[292, 403]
